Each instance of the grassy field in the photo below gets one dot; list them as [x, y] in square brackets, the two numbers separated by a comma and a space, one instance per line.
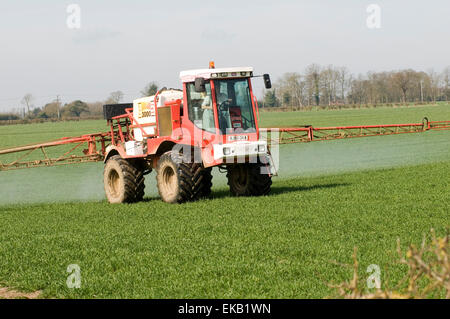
[328, 198]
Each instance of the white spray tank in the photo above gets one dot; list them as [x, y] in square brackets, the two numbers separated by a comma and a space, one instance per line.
[144, 112]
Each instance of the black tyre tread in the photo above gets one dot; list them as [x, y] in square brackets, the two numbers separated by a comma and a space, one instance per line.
[206, 182]
[194, 180]
[134, 179]
[258, 184]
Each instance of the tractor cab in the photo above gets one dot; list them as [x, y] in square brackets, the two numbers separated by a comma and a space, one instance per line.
[221, 107]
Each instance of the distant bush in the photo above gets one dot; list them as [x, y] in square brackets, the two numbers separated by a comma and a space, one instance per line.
[8, 116]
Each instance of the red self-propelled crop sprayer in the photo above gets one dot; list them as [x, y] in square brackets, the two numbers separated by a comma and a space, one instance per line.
[182, 134]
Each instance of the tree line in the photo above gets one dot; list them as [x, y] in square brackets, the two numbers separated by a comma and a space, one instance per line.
[316, 86]
[330, 86]
[76, 109]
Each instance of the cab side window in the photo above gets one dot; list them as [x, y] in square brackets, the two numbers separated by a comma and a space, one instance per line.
[200, 108]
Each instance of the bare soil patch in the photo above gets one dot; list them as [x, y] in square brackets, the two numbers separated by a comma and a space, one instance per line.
[7, 293]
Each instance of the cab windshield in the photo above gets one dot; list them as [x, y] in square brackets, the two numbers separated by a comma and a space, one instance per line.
[234, 106]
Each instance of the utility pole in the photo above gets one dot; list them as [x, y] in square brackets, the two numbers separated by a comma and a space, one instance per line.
[421, 90]
[57, 106]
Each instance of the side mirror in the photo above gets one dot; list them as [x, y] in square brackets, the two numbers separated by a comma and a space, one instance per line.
[200, 85]
[267, 82]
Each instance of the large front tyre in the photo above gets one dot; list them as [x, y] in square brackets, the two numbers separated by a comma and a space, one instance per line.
[123, 181]
[248, 179]
[181, 181]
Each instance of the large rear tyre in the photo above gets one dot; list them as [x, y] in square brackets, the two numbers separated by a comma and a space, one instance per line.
[180, 181]
[123, 181]
[248, 180]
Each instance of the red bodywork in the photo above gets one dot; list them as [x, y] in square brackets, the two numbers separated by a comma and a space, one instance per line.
[184, 132]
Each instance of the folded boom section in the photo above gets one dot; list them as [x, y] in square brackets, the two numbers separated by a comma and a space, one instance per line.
[67, 150]
[310, 133]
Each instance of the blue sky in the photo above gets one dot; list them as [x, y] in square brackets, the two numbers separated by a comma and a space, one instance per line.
[123, 45]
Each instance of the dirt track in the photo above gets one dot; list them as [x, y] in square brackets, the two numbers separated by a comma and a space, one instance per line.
[6, 293]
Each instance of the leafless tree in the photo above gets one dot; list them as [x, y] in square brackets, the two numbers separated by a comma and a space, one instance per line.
[27, 101]
[115, 97]
[312, 75]
[434, 83]
[402, 80]
[446, 79]
[292, 85]
[330, 85]
[343, 75]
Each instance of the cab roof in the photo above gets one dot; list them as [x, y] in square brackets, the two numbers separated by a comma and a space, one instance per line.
[190, 75]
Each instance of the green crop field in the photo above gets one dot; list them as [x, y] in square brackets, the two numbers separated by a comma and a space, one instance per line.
[328, 198]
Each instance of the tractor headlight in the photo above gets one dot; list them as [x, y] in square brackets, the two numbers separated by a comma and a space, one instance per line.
[226, 151]
[261, 148]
